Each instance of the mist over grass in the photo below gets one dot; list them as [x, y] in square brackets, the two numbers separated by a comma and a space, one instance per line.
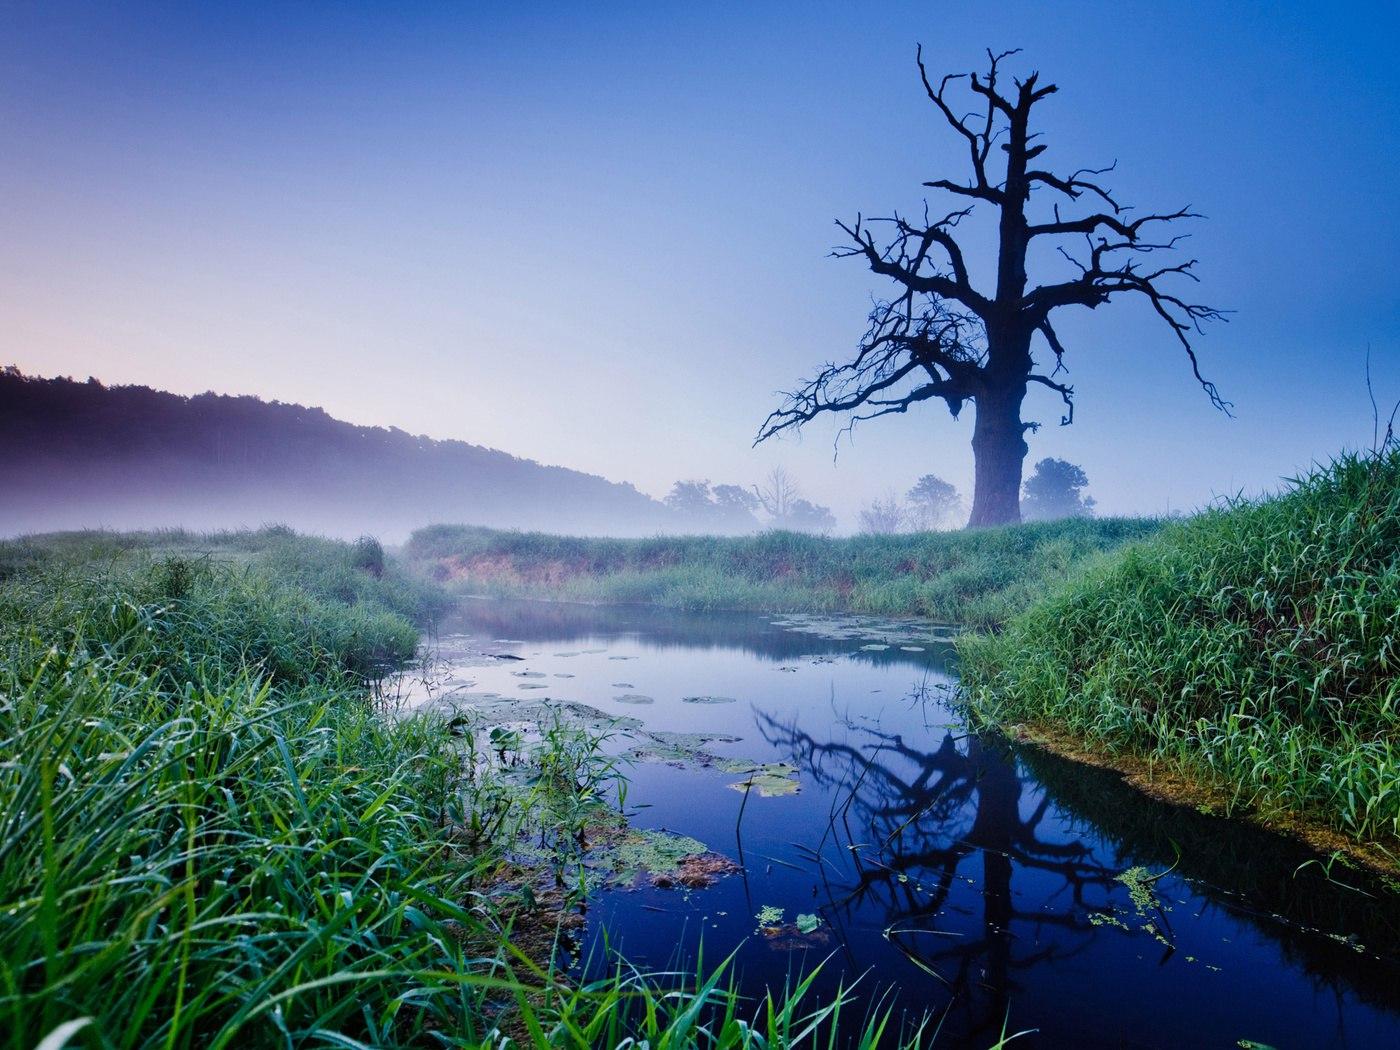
[75, 454]
[976, 578]
[1255, 646]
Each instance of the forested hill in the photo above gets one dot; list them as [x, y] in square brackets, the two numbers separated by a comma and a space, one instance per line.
[80, 454]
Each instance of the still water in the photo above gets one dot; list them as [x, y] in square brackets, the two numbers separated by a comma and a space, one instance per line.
[951, 873]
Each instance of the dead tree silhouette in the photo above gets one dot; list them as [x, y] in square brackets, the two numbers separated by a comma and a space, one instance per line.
[940, 336]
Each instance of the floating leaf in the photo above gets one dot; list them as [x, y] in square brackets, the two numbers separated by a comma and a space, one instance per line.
[768, 785]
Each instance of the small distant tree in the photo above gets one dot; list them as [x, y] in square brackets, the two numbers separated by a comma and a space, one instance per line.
[932, 501]
[883, 517]
[689, 498]
[1055, 490]
[776, 494]
[804, 516]
[781, 499]
[736, 502]
[724, 508]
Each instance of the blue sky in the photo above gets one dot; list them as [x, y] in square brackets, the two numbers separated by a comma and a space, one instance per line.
[597, 235]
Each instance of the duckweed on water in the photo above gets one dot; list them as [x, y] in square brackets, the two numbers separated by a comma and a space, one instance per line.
[647, 852]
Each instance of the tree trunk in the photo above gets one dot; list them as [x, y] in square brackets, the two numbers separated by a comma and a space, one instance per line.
[998, 451]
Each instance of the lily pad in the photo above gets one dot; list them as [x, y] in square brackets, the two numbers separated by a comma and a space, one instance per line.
[807, 923]
[634, 698]
[682, 750]
[768, 785]
[744, 766]
[527, 674]
[708, 700]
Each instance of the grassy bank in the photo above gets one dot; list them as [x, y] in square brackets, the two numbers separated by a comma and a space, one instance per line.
[358, 576]
[977, 578]
[210, 837]
[1254, 649]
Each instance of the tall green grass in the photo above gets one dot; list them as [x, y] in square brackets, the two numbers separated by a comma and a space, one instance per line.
[210, 836]
[976, 577]
[357, 574]
[1255, 646]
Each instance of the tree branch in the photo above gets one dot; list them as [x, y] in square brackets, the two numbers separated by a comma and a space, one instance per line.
[899, 345]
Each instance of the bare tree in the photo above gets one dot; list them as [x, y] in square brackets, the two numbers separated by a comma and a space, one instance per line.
[883, 517]
[941, 337]
[777, 494]
[781, 499]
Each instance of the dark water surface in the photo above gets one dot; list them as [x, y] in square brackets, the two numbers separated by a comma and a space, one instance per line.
[950, 872]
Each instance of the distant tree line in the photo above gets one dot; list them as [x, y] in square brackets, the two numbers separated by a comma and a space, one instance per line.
[1054, 490]
[79, 454]
[776, 503]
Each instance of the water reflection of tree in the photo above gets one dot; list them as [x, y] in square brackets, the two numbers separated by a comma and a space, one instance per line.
[1281, 888]
[911, 822]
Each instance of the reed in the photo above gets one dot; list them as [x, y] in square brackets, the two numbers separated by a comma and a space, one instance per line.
[1254, 647]
[977, 578]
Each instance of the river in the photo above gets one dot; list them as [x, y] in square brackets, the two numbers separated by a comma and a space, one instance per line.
[950, 873]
